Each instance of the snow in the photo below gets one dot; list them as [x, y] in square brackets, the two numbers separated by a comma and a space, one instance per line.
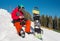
[8, 31]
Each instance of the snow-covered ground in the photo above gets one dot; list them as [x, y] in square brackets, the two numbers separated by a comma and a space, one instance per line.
[8, 31]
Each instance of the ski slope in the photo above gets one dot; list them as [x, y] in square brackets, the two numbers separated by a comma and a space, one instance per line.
[8, 31]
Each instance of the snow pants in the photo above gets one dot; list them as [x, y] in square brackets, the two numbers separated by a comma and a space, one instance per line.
[19, 26]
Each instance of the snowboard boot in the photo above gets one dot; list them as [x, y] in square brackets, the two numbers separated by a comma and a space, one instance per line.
[19, 34]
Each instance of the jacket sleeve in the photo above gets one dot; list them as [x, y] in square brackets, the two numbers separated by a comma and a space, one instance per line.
[13, 14]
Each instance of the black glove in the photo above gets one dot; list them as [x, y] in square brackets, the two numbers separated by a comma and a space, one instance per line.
[23, 22]
[18, 20]
[25, 19]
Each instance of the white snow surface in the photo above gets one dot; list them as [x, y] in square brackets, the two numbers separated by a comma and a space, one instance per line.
[8, 31]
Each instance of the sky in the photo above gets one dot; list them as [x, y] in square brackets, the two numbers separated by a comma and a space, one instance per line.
[46, 7]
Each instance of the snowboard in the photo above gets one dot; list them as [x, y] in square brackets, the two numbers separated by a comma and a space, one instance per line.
[38, 32]
[22, 33]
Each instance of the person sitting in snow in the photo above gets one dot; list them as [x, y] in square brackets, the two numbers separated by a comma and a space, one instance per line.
[20, 18]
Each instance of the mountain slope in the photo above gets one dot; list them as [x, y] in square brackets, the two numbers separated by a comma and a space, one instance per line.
[8, 31]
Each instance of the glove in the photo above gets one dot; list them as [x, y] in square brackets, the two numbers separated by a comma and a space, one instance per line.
[25, 19]
[21, 17]
[23, 22]
[18, 20]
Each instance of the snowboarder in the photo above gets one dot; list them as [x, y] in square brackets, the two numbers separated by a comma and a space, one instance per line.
[36, 18]
[19, 19]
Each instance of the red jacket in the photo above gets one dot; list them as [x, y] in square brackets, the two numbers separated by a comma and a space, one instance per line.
[14, 12]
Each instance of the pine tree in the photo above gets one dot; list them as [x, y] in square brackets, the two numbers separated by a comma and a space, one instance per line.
[50, 24]
[59, 24]
[42, 20]
[47, 20]
[55, 22]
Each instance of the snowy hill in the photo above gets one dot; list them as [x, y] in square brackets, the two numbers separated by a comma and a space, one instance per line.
[8, 31]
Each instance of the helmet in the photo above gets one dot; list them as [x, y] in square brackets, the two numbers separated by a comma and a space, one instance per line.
[20, 6]
[36, 10]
